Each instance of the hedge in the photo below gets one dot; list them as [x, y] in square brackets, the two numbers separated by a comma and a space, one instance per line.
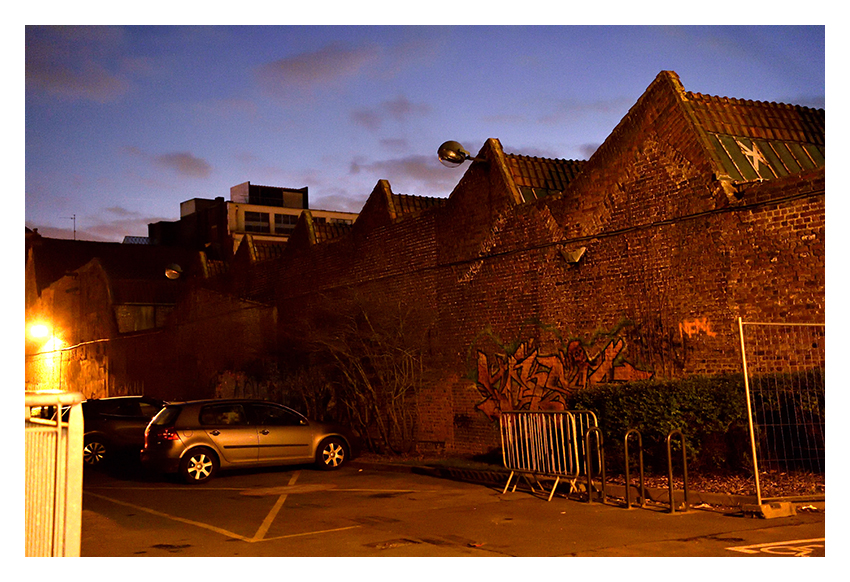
[710, 412]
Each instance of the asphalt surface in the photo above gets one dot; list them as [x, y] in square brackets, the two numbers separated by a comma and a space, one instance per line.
[368, 510]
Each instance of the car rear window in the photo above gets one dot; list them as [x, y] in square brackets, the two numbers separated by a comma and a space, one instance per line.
[166, 416]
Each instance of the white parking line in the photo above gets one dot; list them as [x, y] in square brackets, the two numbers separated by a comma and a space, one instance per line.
[267, 522]
[797, 548]
[224, 532]
[259, 536]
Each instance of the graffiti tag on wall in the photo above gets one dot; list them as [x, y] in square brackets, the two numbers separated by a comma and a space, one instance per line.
[528, 380]
[692, 327]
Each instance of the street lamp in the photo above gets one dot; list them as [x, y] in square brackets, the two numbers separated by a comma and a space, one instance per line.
[452, 154]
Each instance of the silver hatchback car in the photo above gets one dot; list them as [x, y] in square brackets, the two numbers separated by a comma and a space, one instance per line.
[197, 438]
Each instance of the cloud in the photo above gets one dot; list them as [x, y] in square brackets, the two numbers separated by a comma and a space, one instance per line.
[588, 149]
[340, 201]
[308, 71]
[367, 118]
[78, 62]
[185, 164]
[399, 109]
[416, 174]
[567, 109]
[232, 108]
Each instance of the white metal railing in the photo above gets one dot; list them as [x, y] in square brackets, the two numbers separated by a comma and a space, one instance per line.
[53, 427]
[545, 444]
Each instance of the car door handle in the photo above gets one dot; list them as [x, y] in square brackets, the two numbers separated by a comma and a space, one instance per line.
[264, 431]
[215, 433]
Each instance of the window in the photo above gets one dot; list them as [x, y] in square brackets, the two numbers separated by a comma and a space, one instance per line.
[269, 415]
[284, 223]
[223, 414]
[133, 318]
[148, 410]
[257, 222]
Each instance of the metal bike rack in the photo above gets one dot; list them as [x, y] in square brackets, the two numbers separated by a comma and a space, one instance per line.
[670, 470]
[589, 461]
[640, 465]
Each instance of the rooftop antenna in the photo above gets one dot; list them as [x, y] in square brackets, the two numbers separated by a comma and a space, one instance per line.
[74, 218]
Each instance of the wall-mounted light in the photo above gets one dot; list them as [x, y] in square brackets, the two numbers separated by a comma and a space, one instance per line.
[574, 256]
[45, 337]
[39, 331]
[173, 271]
[452, 154]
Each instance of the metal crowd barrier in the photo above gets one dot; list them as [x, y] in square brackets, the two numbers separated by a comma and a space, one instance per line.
[545, 444]
[53, 435]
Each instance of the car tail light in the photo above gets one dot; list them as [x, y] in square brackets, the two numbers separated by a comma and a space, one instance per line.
[166, 433]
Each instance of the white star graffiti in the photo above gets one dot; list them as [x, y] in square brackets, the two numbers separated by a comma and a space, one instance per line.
[754, 155]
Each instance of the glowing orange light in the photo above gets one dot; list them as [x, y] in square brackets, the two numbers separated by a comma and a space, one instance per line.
[39, 330]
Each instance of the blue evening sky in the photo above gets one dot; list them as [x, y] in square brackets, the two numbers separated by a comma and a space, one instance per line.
[124, 123]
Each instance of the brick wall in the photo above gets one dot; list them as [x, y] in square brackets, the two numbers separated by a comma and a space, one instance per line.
[670, 262]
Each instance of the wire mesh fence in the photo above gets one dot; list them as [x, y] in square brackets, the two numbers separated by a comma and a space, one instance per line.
[784, 374]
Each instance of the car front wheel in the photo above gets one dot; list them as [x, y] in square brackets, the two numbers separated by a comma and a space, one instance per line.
[332, 454]
[198, 466]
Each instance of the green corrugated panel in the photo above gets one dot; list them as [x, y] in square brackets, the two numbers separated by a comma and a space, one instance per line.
[787, 157]
[768, 152]
[817, 154]
[728, 164]
[741, 161]
[801, 155]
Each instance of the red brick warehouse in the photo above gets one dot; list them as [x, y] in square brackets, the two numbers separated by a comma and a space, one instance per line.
[534, 278]
[540, 276]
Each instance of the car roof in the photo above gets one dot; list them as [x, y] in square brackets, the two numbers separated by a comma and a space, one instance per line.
[224, 401]
[114, 398]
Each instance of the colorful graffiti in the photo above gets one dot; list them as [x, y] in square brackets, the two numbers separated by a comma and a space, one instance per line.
[527, 380]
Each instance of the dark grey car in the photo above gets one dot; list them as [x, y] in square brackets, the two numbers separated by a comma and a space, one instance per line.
[115, 424]
[196, 439]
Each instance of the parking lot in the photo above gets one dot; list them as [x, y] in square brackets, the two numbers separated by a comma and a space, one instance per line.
[363, 510]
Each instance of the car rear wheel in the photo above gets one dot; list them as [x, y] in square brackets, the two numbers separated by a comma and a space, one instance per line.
[332, 454]
[198, 466]
[94, 452]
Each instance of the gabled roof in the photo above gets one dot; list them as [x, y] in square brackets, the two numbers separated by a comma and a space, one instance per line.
[257, 251]
[537, 177]
[326, 231]
[408, 204]
[756, 140]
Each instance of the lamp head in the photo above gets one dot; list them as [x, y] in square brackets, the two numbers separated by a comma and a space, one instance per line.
[452, 154]
[173, 271]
